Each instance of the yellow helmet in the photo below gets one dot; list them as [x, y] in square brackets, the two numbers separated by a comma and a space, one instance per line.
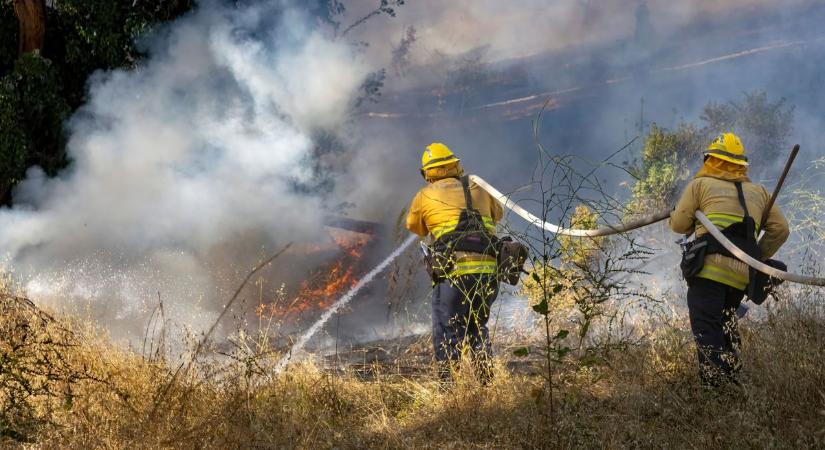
[727, 147]
[437, 154]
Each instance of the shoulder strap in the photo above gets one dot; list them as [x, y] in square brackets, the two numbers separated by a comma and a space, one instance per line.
[742, 199]
[465, 184]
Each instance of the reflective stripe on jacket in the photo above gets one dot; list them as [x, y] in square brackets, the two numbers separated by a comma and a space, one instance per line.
[718, 199]
[435, 210]
[436, 207]
[446, 227]
[467, 263]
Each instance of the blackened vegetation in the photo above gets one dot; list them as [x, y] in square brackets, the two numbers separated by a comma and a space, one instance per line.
[331, 12]
[371, 87]
[384, 7]
[325, 160]
[401, 54]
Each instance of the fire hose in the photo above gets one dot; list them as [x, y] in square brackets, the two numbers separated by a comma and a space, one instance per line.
[645, 221]
[753, 262]
[603, 231]
[555, 229]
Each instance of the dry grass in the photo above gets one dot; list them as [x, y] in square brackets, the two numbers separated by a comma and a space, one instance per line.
[62, 389]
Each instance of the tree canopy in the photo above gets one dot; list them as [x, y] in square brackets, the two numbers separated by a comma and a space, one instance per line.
[41, 87]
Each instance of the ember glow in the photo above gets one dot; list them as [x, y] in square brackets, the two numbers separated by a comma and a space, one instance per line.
[328, 281]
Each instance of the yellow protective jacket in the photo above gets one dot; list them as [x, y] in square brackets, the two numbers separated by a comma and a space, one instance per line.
[714, 193]
[435, 210]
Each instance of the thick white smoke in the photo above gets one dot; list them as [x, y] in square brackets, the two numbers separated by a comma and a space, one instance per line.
[185, 162]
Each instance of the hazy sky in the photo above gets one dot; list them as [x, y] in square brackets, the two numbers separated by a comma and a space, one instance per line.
[523, 27]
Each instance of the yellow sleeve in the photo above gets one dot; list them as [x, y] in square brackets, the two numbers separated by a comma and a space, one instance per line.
[682, 217]
[415, 218]
[496, 211]
[776, 231]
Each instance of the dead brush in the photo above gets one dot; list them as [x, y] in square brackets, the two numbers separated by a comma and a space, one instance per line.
[645, 396]
[77, 390]
[37, 371]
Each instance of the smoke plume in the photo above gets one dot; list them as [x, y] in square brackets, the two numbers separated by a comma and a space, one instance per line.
[193, 160]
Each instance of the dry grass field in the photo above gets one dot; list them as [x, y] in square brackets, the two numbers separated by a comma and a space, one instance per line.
[62, 385]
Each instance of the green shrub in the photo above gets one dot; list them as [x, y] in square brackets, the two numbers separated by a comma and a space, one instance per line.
[668, 157]
[32, 112]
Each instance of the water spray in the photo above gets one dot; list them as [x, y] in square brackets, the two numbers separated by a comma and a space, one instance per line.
[302, 341]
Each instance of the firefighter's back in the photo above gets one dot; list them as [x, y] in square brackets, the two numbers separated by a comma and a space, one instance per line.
[442, 201]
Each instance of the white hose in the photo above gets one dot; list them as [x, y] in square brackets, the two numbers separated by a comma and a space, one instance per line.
[747, 259]
[644, 221]
[555, 229]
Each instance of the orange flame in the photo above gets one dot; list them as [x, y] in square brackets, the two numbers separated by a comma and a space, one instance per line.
[322, 288]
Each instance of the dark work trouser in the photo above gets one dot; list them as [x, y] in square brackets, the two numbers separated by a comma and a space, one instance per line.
[712, 309]
[461, 308]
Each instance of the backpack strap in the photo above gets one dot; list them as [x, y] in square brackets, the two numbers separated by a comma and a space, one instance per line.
[465, 184]
[741, 193]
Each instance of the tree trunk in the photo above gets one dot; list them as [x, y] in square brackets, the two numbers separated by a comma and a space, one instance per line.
[31, 14]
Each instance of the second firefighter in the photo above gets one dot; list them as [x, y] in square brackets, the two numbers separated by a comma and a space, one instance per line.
[460, 219]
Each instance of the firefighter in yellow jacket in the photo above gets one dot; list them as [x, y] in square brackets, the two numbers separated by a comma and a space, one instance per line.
[724, 193]
[464, 284]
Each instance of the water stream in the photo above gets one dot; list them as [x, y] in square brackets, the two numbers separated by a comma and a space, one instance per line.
[302, 341]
